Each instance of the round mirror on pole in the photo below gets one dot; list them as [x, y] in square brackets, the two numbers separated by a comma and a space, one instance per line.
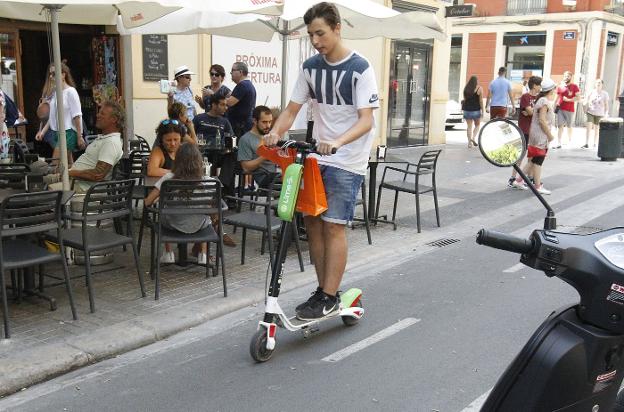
[502, 142]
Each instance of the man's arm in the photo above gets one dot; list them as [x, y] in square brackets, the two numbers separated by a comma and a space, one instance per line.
[231, 101]
[282, 124]
[93, 175]
[251, 165]
[487, 102]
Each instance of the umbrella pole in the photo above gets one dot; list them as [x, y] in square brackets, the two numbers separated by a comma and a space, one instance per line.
[58, 81]
[284, 34]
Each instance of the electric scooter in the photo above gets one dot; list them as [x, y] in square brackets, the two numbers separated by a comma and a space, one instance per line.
[575, 360]
[350, 310]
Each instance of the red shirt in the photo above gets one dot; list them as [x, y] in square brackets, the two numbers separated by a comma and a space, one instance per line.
[569, 90]
[524, 122]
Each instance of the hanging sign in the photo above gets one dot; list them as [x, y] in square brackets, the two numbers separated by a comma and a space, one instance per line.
[612, 38]
[460, 11]
[569, 35]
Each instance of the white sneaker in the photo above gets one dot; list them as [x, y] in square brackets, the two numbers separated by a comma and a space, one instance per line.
[543, 190]
[202, 258]
[519, 185]
[167, 257]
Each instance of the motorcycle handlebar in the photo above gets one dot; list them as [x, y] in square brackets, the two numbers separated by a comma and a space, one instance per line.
[504, 241]
[310, 147]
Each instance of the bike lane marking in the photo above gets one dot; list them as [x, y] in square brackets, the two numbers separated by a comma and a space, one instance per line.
[379, 336]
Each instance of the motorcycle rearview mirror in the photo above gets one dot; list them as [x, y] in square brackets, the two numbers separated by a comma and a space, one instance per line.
[503, 144]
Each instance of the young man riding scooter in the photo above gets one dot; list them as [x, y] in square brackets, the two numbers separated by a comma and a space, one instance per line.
[341, 86]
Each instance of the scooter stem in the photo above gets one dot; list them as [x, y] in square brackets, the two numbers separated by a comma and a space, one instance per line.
[550, 222]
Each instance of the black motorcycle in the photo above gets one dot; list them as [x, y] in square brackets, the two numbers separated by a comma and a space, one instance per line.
[575, 360]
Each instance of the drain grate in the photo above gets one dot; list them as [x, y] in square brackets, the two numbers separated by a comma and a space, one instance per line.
[442, 242]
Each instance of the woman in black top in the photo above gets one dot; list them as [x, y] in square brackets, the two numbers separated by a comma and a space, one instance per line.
[472, 105]
[169, 137]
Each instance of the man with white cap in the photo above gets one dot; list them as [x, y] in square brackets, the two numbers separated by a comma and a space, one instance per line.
[182, 92]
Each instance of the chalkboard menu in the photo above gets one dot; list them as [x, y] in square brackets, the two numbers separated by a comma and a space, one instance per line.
[155, 65]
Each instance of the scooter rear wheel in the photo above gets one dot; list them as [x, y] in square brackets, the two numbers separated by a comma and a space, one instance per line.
[257, 346]
[351, 321]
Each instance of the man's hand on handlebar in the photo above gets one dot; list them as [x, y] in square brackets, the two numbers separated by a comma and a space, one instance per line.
[271, 139]
[326, 149]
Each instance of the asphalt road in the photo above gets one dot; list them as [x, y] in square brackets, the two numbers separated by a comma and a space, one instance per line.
[471, 320]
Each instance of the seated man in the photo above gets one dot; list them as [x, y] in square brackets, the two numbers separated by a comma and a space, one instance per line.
[262, 170]
[207, 124]
[96, 164]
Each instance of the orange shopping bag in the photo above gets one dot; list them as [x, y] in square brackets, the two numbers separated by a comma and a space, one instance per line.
[311, 200]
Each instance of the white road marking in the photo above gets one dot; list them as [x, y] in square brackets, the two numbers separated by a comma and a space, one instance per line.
[514, 268]
[382, 334]
[476, 405]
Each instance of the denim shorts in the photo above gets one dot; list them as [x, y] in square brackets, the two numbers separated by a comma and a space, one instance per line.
[341, 190]
[472, 114]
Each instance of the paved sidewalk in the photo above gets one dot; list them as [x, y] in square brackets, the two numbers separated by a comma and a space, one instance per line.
[45, 343]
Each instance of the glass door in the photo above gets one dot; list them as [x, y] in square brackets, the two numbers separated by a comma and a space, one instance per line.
[409, 95]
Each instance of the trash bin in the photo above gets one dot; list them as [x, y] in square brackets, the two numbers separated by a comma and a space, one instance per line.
[610, 140]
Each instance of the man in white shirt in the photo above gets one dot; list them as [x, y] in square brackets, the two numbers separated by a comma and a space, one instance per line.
[97, 162]
[343, 89]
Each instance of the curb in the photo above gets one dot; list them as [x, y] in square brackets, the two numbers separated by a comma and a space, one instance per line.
[38, 364]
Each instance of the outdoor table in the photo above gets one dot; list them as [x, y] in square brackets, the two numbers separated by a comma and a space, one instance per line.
[150, 182]
[29, 275]
[373, 162]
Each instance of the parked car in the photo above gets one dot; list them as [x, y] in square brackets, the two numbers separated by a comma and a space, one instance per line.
[454, 115]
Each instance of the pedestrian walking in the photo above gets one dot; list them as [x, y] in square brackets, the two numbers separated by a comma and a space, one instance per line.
[527, 103]
[472, 106]
[597, 107]
[540, 134]
[499, 96]
[568, 94]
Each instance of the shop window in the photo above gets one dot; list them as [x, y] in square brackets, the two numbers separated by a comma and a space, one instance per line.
[522, 7]
[455, 68]
[8, 66]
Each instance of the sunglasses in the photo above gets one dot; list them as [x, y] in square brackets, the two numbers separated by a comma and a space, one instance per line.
[234, 70]
[215, 74]
[170, 121]
[186, 76]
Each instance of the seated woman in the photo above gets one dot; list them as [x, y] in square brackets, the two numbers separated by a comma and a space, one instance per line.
[168, 139]
[188, 166]
[177, 111]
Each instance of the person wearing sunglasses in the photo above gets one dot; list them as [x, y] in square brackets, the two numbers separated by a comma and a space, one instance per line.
[216, 87]
[182, 91]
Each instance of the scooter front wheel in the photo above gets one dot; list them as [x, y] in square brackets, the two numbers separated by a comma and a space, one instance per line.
[258, 346]
[349, 320]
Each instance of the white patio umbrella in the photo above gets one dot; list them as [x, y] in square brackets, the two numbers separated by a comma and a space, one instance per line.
[361, 19]
[133, 13]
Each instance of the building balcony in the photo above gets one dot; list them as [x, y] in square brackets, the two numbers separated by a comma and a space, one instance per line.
[523, 7]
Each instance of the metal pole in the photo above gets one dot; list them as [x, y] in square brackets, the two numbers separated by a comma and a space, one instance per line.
[284, 34]
[58, 80]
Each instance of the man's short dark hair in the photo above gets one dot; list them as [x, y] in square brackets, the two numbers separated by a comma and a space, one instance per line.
[117, 111]
[216, 98]
[534, 81]
[259, 110]
[326, 11]
[502, 70]
[242, 66]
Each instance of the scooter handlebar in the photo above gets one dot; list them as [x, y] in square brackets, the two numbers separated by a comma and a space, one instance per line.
[308, 146]
[504, 241]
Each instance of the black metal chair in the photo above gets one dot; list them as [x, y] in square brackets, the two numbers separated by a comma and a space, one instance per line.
[22, 216]
[362, 202]
[13, 175]
[425, 166]
[263, 220]
[137, 171]
[104, 201]
[180, 198]
[140, 144]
